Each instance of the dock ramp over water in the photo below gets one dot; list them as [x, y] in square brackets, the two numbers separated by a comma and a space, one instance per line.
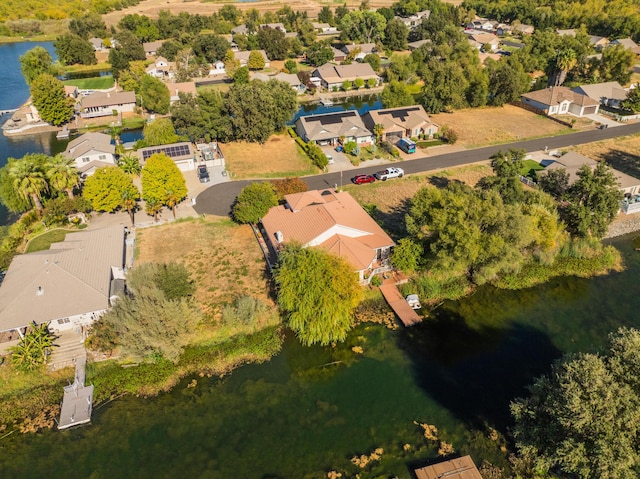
[77, 400]
[399, 305]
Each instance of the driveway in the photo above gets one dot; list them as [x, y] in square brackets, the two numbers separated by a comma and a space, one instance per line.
[603, 120]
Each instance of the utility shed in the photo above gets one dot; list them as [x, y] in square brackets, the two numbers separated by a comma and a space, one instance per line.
[459, 468]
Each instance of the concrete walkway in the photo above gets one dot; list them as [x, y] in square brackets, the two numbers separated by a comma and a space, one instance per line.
[68, 349]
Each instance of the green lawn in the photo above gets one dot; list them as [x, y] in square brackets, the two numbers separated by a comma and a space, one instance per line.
[529, 167]
[97, 83]
[42, 242]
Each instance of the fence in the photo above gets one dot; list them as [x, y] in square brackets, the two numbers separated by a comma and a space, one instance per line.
[528, 181]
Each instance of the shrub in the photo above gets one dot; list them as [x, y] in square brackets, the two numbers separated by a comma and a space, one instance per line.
[245, 311]
[350, 148]
[288, 186]
[376, 281]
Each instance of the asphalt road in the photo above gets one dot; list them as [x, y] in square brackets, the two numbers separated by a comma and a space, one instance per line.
[217, 199]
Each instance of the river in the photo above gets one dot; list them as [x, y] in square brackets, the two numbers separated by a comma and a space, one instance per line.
[310, 410]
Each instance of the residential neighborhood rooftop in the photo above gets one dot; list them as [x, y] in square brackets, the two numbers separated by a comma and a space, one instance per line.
[103, 99]
[72, 277]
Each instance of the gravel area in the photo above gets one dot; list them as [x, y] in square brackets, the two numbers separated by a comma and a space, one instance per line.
[623, 225]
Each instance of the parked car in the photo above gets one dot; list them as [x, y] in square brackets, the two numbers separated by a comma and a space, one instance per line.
[203, 174]
[339, 148]
[359, 179]
[389, 173]
[330, 160]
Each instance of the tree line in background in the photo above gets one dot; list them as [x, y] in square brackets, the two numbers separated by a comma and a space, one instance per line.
[17, 14]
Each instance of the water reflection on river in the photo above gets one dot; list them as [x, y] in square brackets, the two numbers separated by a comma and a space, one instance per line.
[311, 409]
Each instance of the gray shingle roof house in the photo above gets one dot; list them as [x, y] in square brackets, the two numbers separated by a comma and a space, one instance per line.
[90, 152]
[67, 286]
[608, 93]
[151, 48]
[332, 75]
[328, 129]
[105, 103]
[402, 122]
[560, 100]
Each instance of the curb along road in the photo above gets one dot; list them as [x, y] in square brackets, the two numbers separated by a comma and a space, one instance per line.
[217, 199]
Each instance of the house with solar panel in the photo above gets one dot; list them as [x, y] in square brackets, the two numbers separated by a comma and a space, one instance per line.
[334, 128]
[183, 154]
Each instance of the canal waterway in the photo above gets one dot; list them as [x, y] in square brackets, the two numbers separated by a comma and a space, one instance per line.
[309, 410]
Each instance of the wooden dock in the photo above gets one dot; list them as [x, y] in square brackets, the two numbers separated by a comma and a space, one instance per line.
[77, 400]
[399, 305]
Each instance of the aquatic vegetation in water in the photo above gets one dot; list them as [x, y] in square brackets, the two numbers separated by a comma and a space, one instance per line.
[363, 460]
[430, 431]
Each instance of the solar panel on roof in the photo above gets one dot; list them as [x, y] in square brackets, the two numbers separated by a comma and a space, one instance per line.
[170, 151]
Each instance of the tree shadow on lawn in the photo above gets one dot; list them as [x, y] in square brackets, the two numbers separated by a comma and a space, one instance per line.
[623, 161]
[392, 221]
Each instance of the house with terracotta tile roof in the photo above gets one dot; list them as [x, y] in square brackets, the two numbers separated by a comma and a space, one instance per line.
[333, 221]
[560, 100]
[402, 122]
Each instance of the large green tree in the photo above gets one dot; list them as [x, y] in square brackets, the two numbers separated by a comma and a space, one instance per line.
[396, 34]
[107, 188]
[584, 417]
[363, 26]
[36, 62]
[318, 292]
[154, 94]
[159, 132]
[254, 201]
[274, 43]
[258, 108]
[592, 202]
[73, 49]
[163, 182]
[319, 53]
[210, 48]
[128, 48]
[395, 94]
[469, 231]
[49, 98]
[506, 180]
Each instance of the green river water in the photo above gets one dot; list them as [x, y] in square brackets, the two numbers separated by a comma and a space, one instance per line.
[309, 410]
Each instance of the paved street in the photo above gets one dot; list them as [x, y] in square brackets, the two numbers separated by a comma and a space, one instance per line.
[217, 199]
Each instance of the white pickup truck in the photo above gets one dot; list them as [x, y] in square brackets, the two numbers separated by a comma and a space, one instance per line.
[389, 173]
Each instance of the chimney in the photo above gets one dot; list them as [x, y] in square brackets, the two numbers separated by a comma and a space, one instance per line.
[39, 291]
[279, 237]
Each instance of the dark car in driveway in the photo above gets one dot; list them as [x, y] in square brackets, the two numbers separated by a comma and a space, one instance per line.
[360, 179]
[203, 173]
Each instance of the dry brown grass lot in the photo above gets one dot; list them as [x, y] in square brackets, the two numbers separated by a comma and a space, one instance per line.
[390, 197]
[491, 125]
[279, 157]
[623, 154]
[224, 259]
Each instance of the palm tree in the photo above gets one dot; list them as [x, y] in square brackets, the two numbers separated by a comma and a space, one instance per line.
[62, 174]
[29, 181]
[171, 200]
[130, 164]
[153, 207]
[129, 203]
[565, 60]
[33, 349]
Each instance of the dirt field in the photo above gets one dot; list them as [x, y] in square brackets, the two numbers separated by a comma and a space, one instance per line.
[251, 160]
[151, 8]
[224, 259]
[390, 197]
[623, 154]
[491, 125]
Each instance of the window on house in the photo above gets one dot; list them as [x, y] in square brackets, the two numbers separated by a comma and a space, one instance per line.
[85, 159]
[103, 157]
